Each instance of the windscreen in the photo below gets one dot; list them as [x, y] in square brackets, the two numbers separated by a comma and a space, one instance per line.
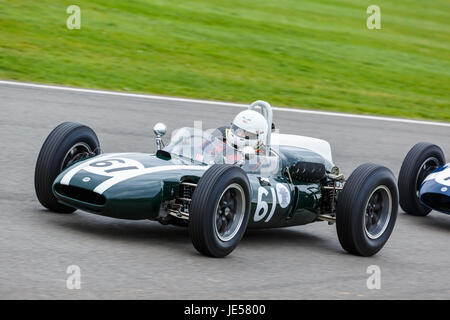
[202, 147]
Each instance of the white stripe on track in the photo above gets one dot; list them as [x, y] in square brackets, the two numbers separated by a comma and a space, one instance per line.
[218, 103]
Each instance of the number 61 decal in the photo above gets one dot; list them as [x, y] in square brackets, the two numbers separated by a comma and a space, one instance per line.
[282, 194]
[113, 167]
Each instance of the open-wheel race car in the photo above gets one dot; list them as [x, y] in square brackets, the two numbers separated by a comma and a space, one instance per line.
[424, 181]
[216, 190]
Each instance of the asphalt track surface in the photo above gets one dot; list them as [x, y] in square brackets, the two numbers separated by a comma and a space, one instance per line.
[122, 259]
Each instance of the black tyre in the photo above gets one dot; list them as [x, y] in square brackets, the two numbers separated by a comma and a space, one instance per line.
[67, 143]
[220, 210]
[420, 161]
[367, 210]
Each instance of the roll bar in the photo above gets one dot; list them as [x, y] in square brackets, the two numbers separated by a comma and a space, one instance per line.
[266, 111]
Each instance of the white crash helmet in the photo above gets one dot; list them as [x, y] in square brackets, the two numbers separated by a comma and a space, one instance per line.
[249, 128]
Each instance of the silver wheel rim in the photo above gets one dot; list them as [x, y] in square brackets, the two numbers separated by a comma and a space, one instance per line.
[229, 212]
[425, 168]
[378, 211]
[74, 151]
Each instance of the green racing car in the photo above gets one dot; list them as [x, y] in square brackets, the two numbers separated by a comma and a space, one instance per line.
[217, 191]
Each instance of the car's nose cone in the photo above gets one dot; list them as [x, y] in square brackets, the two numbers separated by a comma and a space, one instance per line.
[435, 195]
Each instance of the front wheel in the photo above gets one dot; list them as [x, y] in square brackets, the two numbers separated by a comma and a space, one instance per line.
[66, 144]
[420, 161]
[220, 210]
[367, 210]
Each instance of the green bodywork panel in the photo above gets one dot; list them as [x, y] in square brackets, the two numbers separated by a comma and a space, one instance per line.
[136, 185]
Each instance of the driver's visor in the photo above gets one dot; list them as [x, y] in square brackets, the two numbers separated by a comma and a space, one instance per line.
[241, 133]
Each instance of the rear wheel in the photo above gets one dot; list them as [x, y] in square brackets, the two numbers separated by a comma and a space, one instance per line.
[66, 144]
[420, 161]
[220, 210]
[367, 210]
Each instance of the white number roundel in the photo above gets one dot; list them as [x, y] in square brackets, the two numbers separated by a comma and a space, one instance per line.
[282, 196]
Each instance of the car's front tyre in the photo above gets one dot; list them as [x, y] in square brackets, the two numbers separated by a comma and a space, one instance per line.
[220, 210]
[67, 143]
[367, 210]
[420, 161]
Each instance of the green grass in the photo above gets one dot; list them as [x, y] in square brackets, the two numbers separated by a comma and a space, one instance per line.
[304, 54]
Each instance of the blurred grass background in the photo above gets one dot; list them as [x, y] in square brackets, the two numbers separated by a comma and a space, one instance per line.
[315, 54]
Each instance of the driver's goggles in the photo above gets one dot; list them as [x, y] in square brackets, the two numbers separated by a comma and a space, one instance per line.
[241, 133]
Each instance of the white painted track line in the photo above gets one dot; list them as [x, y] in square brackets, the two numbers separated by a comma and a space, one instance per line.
[228, 104]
